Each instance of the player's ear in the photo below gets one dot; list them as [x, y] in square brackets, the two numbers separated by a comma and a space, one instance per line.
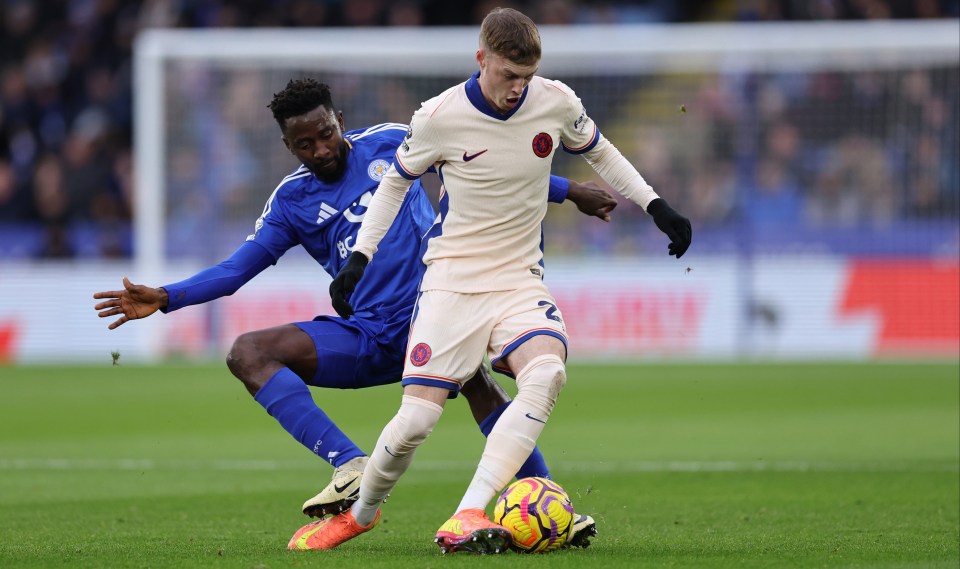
[480, 56]
[286, 142]
[340, 122]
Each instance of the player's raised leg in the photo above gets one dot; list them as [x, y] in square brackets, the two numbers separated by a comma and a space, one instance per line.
[274, 364]
[420, 409]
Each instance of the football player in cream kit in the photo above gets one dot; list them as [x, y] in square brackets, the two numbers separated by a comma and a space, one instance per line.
[492, 140]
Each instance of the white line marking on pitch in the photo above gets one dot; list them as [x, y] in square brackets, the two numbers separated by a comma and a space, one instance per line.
[143, 464]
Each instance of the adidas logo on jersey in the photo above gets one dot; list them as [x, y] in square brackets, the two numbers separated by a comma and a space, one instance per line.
[326, 212]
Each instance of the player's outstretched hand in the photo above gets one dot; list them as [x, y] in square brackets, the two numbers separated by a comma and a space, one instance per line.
[592, 199]
[673, 224]
[135, 301]
[345, 281]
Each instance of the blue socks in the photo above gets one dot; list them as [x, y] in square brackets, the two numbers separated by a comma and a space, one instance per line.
[287, 399]
[535, 465]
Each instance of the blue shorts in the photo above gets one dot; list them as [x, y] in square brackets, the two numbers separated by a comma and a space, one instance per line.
[356, 353]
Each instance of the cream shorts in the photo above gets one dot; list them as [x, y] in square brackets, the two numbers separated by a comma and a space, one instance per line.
[451, 332]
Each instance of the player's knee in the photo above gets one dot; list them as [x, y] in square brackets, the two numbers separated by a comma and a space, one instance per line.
[244, 358]
[541, 381]
[411, 431]
[237, 357]
[413, 424]
[547, 373]
[406, 436]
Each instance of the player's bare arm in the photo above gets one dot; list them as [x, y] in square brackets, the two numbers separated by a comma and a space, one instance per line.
[592, 199]
[132, 303]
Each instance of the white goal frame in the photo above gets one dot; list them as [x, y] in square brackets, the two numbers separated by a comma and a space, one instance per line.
[619, 49]
[445, 51]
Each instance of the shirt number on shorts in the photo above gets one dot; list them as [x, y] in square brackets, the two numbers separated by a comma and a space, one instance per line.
[552, 311]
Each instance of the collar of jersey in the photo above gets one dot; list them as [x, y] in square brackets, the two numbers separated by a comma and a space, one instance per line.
[476, 98]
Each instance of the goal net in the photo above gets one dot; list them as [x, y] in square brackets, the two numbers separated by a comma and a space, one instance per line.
[807, 156]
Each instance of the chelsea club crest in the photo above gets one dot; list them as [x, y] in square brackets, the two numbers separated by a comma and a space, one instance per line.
[377, 169]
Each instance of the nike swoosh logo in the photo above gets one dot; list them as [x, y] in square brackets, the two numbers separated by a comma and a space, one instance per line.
[388, 451]
[339, 489]
[302, 540]
[472, 156]
[532, 418]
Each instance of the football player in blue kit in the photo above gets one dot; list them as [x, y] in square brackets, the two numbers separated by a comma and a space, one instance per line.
[320, 206]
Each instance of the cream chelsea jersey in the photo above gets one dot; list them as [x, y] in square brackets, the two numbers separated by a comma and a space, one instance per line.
[495, 170]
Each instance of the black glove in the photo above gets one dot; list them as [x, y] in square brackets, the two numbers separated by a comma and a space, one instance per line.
[345, 281]
[673, 224]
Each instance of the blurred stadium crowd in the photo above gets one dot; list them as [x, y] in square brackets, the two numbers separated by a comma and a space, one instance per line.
[819, 155]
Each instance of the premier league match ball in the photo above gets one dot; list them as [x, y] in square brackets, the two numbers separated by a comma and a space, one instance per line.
[538, 514]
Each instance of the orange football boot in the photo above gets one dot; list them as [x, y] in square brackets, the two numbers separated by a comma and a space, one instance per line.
[471, 530]
[329, 532]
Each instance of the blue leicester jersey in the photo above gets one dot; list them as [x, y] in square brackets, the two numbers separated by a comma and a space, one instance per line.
[325, 218]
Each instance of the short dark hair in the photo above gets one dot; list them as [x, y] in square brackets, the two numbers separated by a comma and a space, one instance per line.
[300, 96]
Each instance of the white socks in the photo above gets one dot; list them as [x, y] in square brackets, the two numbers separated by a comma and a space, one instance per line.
[393, 454]
[515, 434]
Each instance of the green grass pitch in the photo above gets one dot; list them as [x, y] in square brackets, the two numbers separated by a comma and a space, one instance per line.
[700, 466]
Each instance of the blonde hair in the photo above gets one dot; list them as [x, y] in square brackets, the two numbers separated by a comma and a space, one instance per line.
[511, 34]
